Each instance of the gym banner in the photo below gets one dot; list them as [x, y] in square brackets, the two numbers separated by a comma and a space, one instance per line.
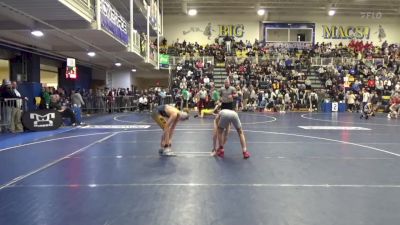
[231, 30]
[346, 32]
[113, 22]
[42, 120]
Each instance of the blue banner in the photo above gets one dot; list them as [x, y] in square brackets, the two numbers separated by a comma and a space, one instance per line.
[113, 22]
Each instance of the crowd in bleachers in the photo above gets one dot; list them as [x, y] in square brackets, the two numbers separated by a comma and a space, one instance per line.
[283, 83]
[227, 46]
[274, 83]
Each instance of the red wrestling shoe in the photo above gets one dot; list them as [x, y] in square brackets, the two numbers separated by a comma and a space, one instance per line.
[220, 152]
[246, 155]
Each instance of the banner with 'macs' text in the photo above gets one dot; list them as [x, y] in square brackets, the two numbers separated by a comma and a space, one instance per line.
[346, 32]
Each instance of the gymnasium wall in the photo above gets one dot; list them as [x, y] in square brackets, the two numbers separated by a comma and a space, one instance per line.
[389, 25]
[121, 79]
[193, 29]
[145, 83]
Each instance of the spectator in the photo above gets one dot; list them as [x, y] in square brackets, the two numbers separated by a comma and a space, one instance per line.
[77, 102]
[202, 99]
[351, 98]
[313, 99]
[162, 95]
[308, 83]
[143, 103]
[365, 97]
[12, 112]
[66, 112]
[16, 115]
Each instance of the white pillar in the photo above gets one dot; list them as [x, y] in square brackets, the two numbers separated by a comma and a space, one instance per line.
[131, 26]
[158, 35]
[148, 36]
[98, 14]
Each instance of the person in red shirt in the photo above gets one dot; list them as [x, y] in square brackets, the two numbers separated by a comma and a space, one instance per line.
[352, 44]
[371, 84]
[394, 105]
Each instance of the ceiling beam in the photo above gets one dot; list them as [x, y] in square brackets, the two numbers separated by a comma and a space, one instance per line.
[292, 11]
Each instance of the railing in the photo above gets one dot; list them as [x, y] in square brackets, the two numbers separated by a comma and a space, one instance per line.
[317, 61]
[143, 47]
[102, 104]
[153, 55]
[83, 7]
[86, 3]
[289, 45]
[9, 107]
[108, 104]
[174, 60]
[239, 60]
[135, 42]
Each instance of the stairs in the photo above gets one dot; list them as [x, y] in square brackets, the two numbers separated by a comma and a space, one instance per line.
[315, 80]
[219, 76]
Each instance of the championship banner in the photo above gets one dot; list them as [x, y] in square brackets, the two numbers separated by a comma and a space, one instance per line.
[113, 22]
[289, 45]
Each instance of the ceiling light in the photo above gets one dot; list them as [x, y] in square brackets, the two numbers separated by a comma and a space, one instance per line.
[118, 64]
[37, 33]
[192, 12]
[331, 12]
[91, 54]
[261, 12]
[133, 70]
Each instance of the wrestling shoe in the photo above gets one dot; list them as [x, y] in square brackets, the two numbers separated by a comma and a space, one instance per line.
[220, 152]
[161, 150]
[168, 152]
[246, 155]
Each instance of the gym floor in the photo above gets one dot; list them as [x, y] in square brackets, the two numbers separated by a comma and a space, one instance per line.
[311, 169]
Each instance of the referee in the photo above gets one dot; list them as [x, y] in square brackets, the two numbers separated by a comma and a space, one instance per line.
[228, 93]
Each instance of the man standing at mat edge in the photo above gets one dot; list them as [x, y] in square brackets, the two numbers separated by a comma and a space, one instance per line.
[221, 129]
[167, 117]
[227, 93]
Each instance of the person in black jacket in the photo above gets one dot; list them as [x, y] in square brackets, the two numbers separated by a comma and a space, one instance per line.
[66, 112]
